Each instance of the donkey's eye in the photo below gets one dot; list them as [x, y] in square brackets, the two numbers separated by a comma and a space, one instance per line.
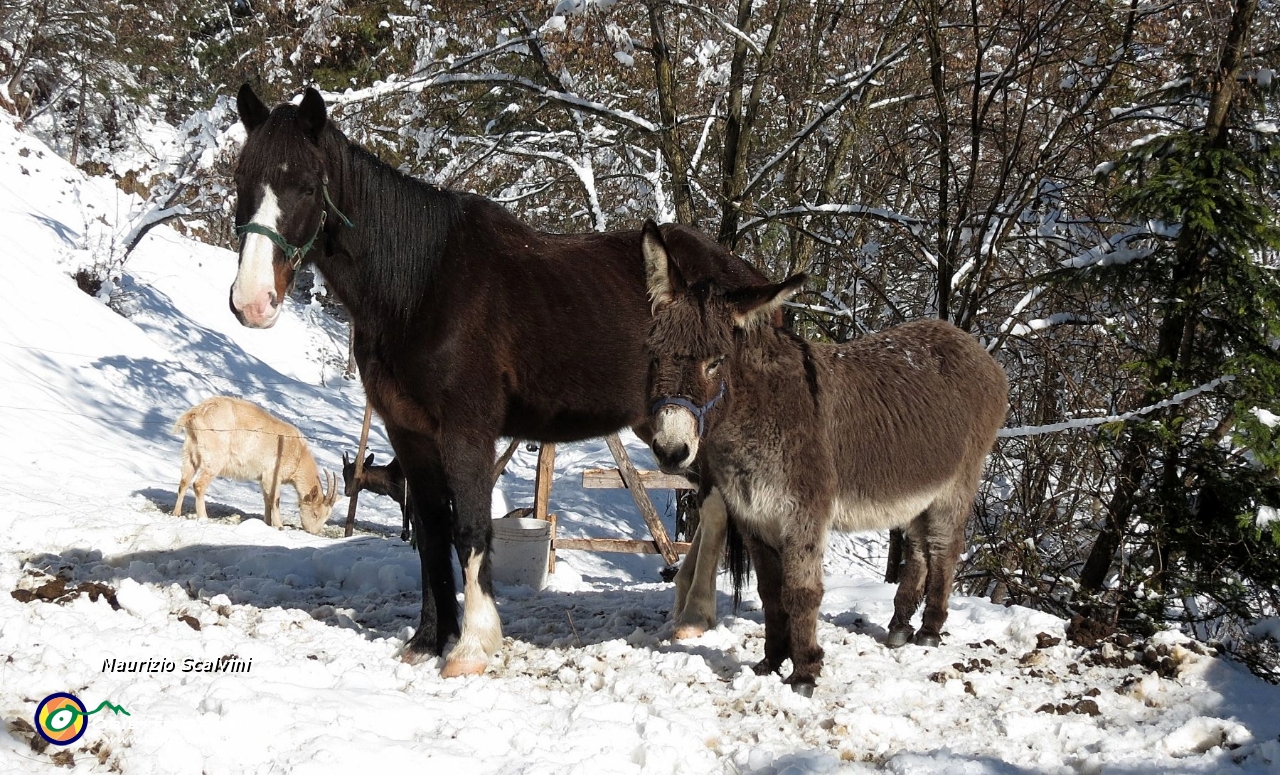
[714, 364]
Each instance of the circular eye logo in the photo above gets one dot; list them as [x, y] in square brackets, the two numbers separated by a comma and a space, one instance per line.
[61, 718]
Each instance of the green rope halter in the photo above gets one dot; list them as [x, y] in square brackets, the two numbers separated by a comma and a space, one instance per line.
[295, 254]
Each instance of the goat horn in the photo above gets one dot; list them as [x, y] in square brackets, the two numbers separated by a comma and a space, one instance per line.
[332, 480]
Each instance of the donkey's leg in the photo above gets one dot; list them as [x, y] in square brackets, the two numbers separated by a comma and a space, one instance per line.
[777, 633]
[469, 467]
[696, 607]
[945, 539]
[804, 543]
[910, 583]
[428, 507]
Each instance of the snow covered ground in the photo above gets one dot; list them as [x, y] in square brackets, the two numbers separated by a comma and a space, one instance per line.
[93, 568]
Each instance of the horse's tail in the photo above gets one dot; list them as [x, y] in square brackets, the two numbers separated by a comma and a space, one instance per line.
[737, 558]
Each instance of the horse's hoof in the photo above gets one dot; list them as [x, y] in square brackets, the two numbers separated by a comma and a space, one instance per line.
[898, 638]
[459, 668]
[928, 641]
[687, 631]
[803, 688]
[411, 656]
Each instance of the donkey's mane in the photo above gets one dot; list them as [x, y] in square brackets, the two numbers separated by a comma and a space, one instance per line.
[400, 259]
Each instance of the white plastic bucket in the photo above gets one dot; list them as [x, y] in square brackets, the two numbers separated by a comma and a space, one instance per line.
[521, 548]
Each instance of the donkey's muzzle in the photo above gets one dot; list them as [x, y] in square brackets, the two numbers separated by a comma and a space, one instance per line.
[672, 460]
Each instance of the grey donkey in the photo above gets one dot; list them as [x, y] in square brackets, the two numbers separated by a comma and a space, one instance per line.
[890, 430]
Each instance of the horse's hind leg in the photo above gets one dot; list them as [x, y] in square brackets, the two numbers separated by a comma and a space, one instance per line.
[696, 581]
[469, 467]
[911, 583]
[945, 542]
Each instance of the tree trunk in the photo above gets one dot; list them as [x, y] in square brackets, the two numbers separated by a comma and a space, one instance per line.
[668, 140]
[1177, 331]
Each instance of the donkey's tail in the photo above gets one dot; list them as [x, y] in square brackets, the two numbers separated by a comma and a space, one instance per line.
[737, 558]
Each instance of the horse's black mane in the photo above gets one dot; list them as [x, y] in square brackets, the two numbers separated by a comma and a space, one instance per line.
[398, 262]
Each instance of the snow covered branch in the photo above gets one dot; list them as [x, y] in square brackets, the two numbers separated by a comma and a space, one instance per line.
[1088, 422]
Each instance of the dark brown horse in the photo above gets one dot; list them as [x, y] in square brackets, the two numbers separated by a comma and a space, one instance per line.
[890, 430]
[469, 325]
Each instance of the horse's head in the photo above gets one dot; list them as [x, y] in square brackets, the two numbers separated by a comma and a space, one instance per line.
[282, 201]
[693, 346]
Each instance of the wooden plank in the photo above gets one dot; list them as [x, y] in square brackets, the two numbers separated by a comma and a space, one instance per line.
[622, 545]
[609, 478]
[501, 465]
[629, 475]
[551, 555]
[542, 484]
[364, 441]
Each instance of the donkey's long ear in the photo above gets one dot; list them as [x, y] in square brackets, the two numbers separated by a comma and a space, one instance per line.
[756, 305]
[253, 113]
[311, 113]
[662, 276]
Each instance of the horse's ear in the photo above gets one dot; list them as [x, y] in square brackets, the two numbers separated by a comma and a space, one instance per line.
[311, 113]
[753, 306]
[368, 462]
[253, 113]
[662, 276]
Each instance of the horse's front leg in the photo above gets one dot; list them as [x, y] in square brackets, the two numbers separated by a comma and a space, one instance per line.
[695, 610]
[469, 467]
[428, 506]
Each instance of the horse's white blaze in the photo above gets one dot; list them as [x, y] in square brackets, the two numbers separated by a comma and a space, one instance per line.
[256, 279]
[696, 581]
[673, 426]
[481, 628]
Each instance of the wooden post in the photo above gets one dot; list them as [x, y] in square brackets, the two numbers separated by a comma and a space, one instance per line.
[364, 441]
[634, 484]
[542, 484]
[542, 494]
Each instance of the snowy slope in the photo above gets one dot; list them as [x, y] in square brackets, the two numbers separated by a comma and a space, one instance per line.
[588, 681]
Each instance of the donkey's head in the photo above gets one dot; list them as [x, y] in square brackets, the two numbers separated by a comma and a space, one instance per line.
[282, 201]
[694, 339]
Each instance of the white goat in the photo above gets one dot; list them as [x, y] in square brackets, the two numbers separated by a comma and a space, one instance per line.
[237, 440]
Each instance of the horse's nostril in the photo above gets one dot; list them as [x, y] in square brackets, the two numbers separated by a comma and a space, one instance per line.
[272, 299]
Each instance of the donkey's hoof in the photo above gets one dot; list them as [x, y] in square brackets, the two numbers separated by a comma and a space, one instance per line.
[928, 641]
[898, 638]
[804, 688]
[457, 668]
[763, 667]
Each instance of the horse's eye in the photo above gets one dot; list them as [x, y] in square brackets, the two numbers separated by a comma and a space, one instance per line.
[714, 364]
[308, 191]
